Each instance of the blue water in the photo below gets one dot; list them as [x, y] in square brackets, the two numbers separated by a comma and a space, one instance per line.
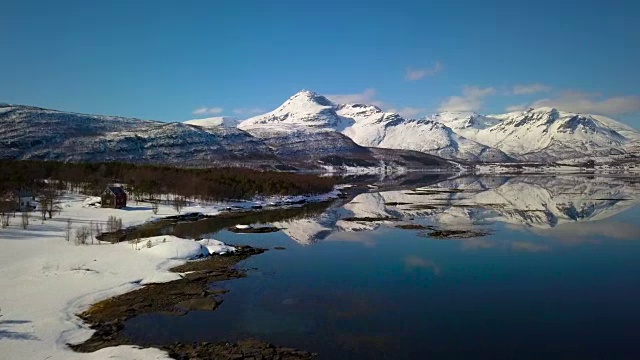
[546, 283]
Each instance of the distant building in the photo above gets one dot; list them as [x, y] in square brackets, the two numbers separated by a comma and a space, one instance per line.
[18, 200]
[8, 202]
[26, 200]
[114, 197]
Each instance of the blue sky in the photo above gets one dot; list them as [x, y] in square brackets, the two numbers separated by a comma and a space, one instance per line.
[165, 60]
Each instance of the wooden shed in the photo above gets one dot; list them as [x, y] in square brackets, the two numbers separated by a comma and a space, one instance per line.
[114, 197]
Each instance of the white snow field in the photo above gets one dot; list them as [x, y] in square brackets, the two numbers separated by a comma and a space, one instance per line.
[46, 280]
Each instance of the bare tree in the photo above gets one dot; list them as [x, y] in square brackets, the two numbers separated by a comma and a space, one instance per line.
[43, 207]
[49, 201]
[134, 242]
[154, 207]
[9, 202]
[25, 219]
[67, 234]
[98, 228]
[178, 203]
[114, 224]
[82, 234]
[6, 219]
[91, 231]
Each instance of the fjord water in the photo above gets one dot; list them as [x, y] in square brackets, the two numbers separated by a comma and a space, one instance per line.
[555, 275]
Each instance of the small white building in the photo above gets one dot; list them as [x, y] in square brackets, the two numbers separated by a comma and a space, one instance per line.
[26, 200]
[17, 200]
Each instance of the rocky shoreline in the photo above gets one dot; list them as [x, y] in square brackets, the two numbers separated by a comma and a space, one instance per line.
[191, 292]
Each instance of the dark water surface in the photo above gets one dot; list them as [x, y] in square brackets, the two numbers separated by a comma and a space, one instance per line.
[557, 276]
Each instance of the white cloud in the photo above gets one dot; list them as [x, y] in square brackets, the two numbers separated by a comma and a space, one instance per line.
[472, 99]
[529, 246]
[519, 107]
[408, 112]
[207, 111]
[530, 89]
[592, 103]
[365, 97]
[416, 74]
[413, 262]
[248, 111]
[368, 97]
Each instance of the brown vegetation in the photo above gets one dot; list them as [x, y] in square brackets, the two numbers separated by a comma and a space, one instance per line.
[148, 182]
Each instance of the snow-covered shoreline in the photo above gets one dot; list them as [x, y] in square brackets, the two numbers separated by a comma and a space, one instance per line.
[45, 280]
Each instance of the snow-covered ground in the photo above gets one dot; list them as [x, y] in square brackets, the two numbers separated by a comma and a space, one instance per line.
[46, 280]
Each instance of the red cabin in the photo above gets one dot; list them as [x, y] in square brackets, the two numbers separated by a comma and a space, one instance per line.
[114, 197]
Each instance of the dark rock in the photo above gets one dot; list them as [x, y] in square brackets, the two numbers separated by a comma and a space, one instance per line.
[455, 234]
[371, 219]
[252, 230]
[414, 227]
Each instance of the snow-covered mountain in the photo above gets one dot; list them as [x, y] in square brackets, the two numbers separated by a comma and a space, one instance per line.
[305, 108]
[41, 134]
[391, 131]
[369, 126]
[166, 143]
[309, 131]
[224, 121]
[332, 150]
[543, 134]
[28, 129]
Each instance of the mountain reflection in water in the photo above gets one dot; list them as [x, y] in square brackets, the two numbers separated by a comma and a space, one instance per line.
[489, 267]
[563, 205]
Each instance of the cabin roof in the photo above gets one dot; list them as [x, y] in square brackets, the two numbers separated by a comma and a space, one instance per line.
[117, 190]
[24, 193]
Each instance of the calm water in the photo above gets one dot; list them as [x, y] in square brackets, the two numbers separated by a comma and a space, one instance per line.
[556, 276]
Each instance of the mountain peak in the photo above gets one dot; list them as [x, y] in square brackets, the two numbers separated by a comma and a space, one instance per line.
[549, 114]
[303, 108]
[305, 92]
[309, 96]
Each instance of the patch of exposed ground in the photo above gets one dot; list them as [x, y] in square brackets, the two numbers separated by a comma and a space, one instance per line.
[415, 227]
[455, 234]
[394, 203]
[246, 349]
[434, 191]
[371, 219]
[423, 207]
[254, 230]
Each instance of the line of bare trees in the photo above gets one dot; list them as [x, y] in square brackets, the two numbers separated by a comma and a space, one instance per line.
[147, 182]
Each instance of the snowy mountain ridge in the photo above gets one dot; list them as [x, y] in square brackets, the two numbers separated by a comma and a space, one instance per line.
[31, 133]
[543, 134]
[310, 131]
[370, 126]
